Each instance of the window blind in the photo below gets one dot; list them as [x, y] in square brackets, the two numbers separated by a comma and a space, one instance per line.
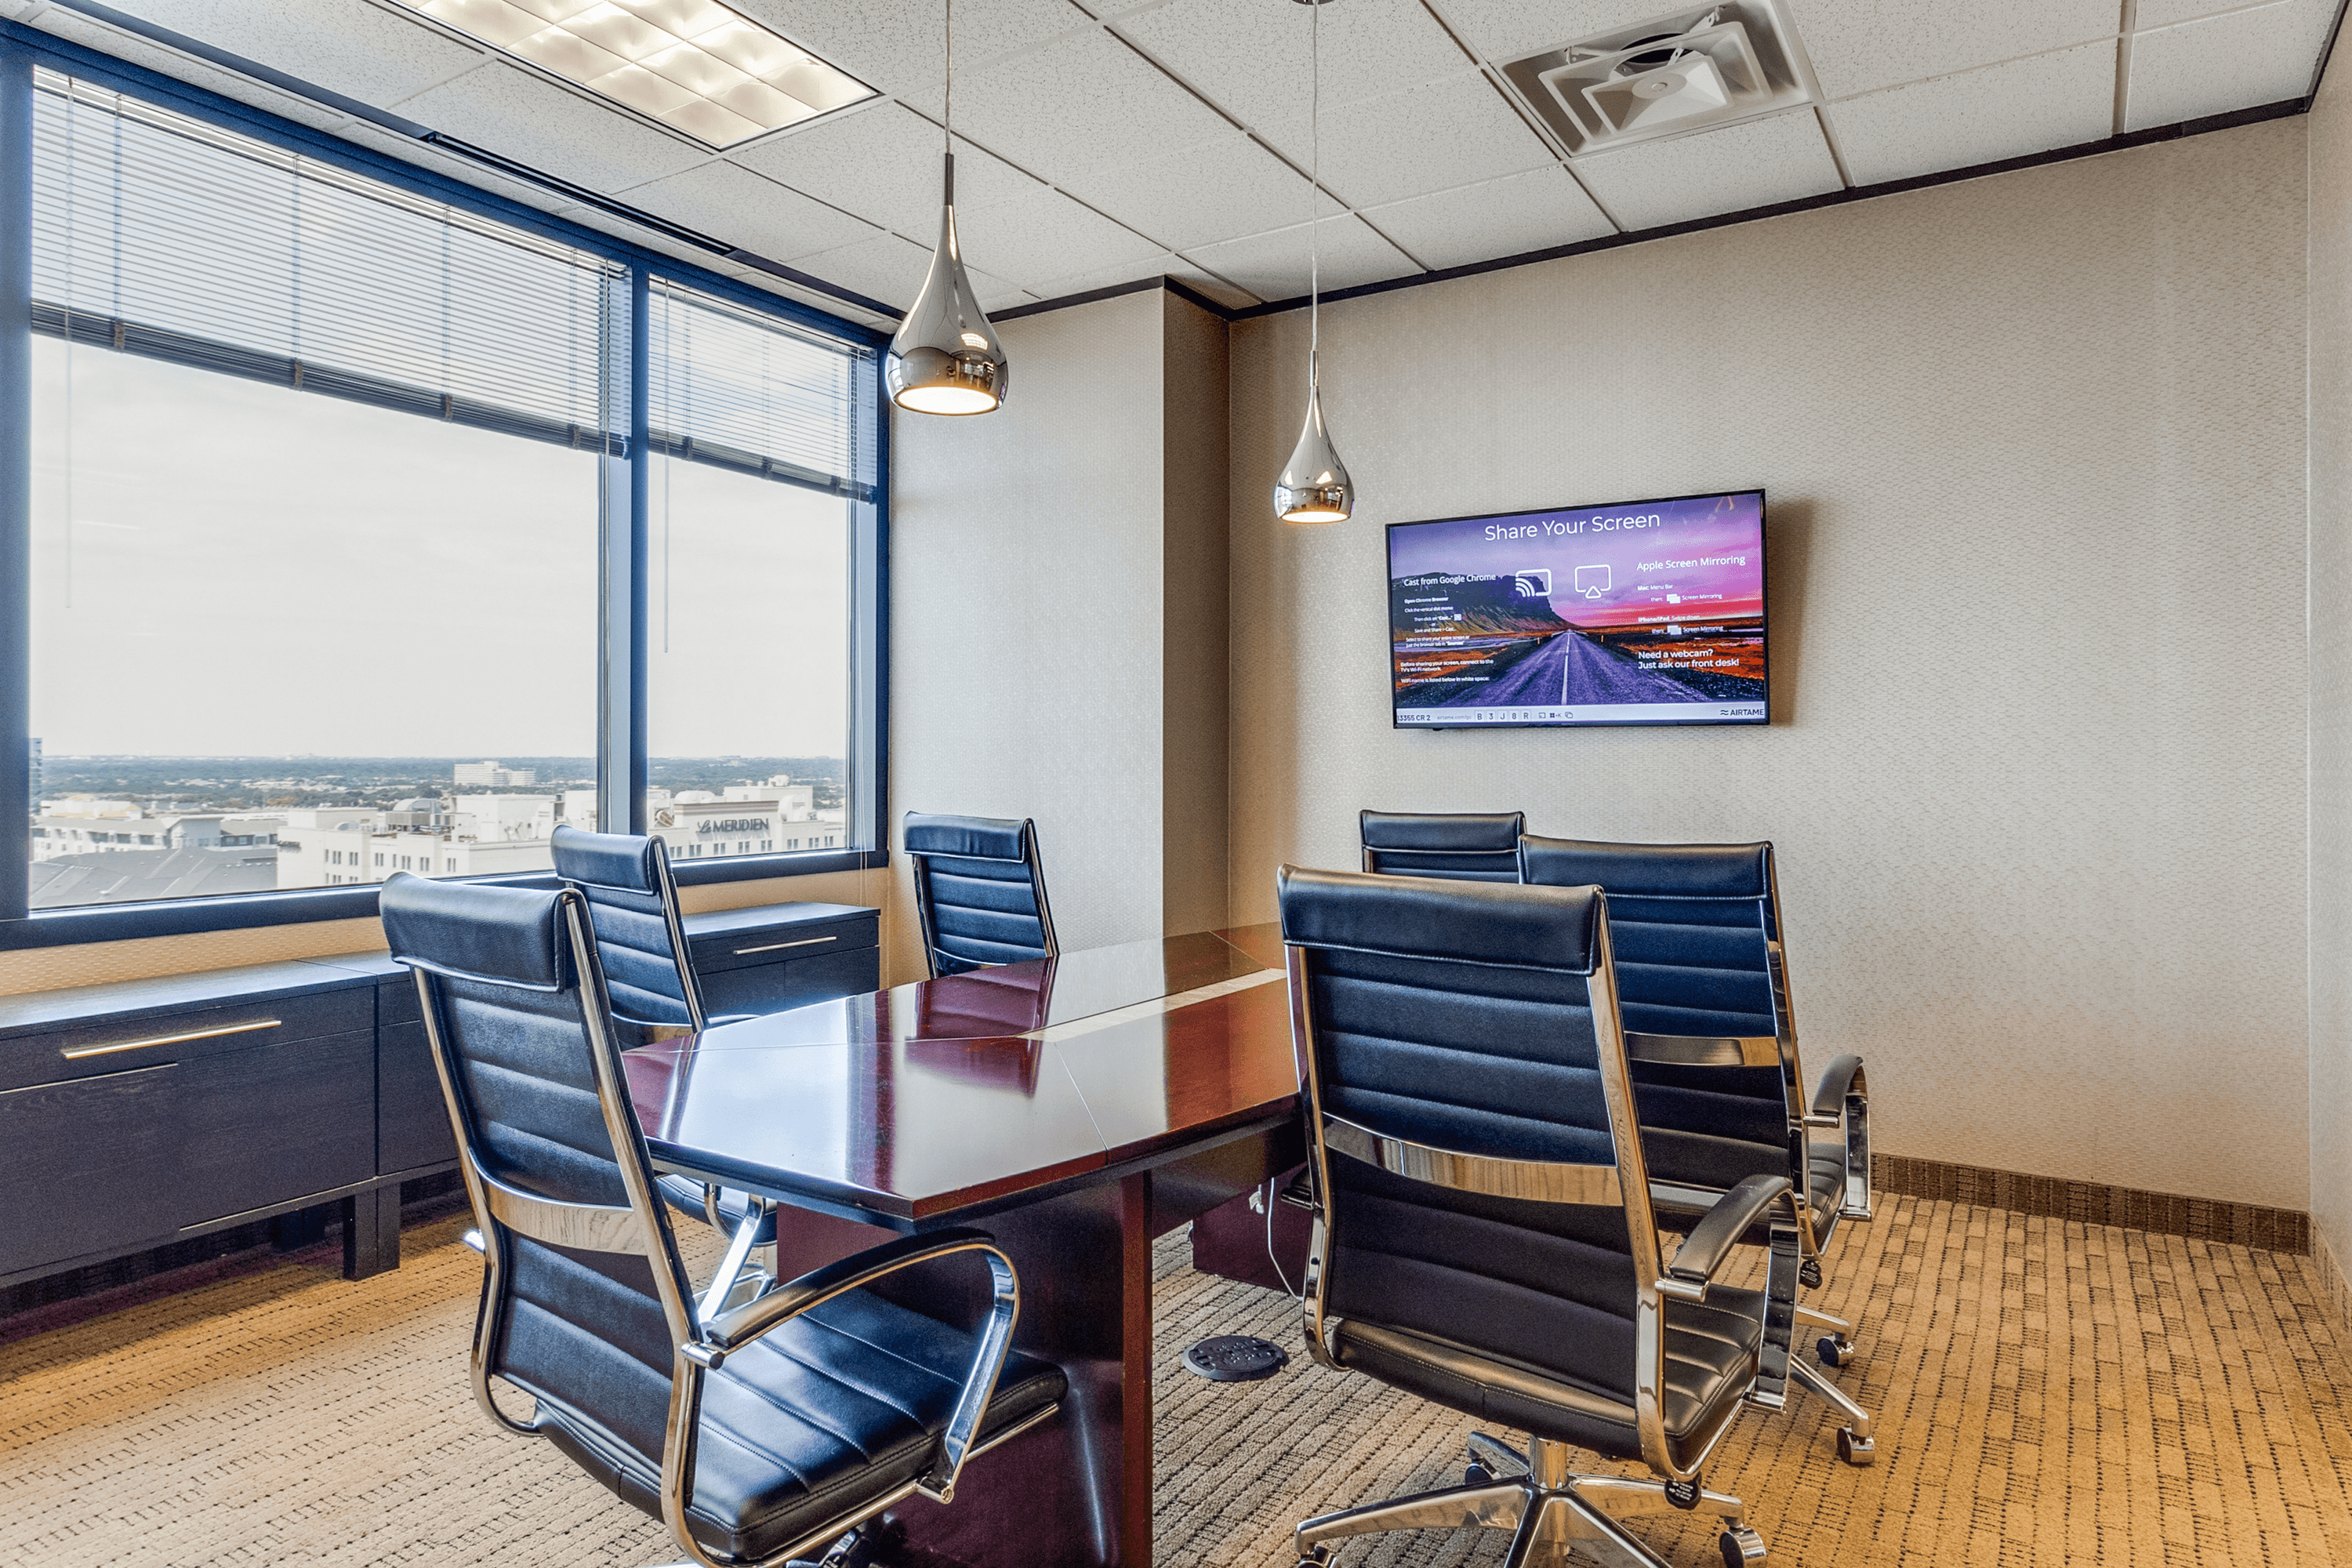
[742, 390]
[161, 235]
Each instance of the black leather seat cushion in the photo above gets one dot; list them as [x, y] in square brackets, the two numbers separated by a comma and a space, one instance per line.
[814, 1421]
[1722, 1164]
[1711, 1353]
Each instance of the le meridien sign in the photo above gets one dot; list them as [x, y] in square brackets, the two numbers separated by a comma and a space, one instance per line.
[735, 825]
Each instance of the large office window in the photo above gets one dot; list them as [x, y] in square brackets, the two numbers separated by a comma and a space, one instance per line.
[749, 583]
[330, 476]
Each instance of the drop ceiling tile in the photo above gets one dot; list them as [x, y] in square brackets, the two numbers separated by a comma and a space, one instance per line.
[755, 214]
[883, 164]
[1505, 29]
[900, 46]
[1087, 101]
[2241, 60]
[1252, 58]
[1231, 187]
[132, 50]
[891, 269]
[1151, 267]
[1754, 164]
[1007, 301]
[1274, 266]
[2153, 13]
[520, 116]
[2058, 100]
[377, 55]
[1429, 138]
[1046, 235]
[1509, 216]
[1859, 48]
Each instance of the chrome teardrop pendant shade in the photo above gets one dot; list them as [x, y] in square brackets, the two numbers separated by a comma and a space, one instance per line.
[946, 358]
[1314, 487]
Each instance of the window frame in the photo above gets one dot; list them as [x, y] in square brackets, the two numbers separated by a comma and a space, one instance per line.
[623, 530]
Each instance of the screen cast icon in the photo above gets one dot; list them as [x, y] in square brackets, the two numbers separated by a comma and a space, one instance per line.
[1592, 580]
[1534, 582]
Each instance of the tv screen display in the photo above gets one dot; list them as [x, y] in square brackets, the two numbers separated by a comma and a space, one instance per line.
[1642, 612]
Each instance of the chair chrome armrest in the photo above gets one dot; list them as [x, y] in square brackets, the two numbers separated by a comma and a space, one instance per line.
[1844, 1074]
[631, 1033]
[1703, 1252]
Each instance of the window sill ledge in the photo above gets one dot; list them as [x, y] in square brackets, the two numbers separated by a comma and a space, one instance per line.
[240, 911]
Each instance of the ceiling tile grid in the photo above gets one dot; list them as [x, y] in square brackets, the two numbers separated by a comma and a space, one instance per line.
[1520, 213]
[1861, 46]
[2236, 60]
[1456, 131]
[2063, 99]
[1756, 163]
[1274, 266]
[1103, 138]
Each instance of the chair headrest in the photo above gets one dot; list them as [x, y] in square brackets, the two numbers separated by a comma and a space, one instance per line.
[507, 936]
[1650, 870]
[1470, 922]
[1455, 831]
[605, 860]
[971, 837]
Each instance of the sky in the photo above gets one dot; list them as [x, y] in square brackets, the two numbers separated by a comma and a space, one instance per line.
[226, 567]
[1708, 550]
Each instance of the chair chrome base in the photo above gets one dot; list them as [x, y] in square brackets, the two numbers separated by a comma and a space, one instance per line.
[1546, 1507]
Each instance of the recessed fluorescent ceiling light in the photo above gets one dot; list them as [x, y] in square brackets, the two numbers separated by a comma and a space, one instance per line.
[694, 65]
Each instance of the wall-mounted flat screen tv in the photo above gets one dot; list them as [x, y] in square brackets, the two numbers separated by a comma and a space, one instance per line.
[1644, 613]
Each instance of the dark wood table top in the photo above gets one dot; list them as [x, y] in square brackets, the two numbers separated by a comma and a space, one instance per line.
[927, 1103]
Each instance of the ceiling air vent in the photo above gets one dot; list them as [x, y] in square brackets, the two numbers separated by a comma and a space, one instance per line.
[1691, 69]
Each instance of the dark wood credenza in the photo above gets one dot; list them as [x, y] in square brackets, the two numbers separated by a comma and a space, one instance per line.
[142, 1113]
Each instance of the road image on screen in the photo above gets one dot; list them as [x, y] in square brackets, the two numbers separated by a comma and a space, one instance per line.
[1645, 613]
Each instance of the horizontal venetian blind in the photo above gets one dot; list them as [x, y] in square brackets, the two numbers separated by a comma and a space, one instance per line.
[161, 235]
[743, 391]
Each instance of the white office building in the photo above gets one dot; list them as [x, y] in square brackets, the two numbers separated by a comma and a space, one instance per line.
[83, 825]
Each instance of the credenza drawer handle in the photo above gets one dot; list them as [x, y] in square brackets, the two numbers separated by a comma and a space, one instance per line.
[78, 1052]
[778, 946]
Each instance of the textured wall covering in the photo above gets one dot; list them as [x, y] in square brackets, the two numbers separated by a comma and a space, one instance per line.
[1025, 613]
[2330, 132]
[2035, 449]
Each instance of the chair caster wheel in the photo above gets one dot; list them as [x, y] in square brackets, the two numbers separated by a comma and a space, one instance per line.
[1741, 1547]
[1835, 1351]
[1809, 1274]
[1477, 1475]
[1856, 1451]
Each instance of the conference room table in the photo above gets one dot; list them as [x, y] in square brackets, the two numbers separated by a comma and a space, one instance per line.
[1077, 1108]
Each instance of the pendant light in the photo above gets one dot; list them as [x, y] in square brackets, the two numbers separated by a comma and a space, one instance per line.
[1314, 486]
[946, 358]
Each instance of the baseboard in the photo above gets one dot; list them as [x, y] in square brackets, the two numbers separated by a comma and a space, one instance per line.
[2092, 1202]
[2333, 1285]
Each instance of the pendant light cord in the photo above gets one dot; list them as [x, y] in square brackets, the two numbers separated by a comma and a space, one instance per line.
[947, 119]
[1314, 195]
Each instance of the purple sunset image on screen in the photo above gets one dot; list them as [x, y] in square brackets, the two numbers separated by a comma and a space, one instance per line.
[1641, 612]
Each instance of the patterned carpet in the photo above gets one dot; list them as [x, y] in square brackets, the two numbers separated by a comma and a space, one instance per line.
[2046, 1393]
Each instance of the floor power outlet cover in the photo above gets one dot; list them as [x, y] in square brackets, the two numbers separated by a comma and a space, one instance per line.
[1235, 1358]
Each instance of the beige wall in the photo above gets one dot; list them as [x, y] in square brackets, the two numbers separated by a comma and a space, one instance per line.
[1057, 573]
[92, 963]
[2035, 451]
[2330, 132]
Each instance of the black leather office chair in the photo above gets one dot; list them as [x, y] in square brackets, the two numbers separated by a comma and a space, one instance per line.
[979, 891]
[1484, 1237]
[1712, 1033]
[761, 1434]
[649, 974]
[1468, 846]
